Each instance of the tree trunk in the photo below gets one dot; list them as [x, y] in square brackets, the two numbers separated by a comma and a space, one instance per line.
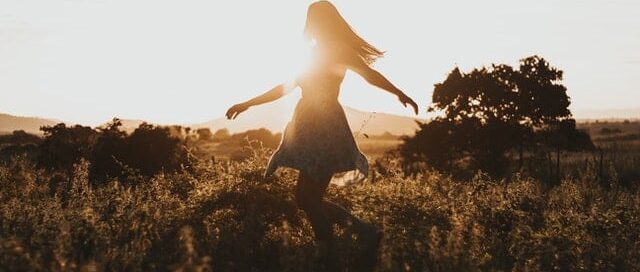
[601, 166]
[521, 162]
[550, 163]
[558, 165]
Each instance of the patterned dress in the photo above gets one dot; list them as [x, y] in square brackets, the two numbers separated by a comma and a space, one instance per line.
[318, 140]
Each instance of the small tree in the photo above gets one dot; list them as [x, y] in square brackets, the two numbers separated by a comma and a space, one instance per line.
[204, 134]
[221, 135]
[19, 137]
[151, 149]
[108, 152]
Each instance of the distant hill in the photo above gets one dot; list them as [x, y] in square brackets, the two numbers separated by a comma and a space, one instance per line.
[590, 115]
[380, 123]
[275, 119]
[275, 116]
[9, 123]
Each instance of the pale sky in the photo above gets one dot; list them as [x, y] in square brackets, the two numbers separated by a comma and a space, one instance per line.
[187, 61]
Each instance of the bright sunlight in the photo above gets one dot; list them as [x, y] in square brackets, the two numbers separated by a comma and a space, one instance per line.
[102, 58]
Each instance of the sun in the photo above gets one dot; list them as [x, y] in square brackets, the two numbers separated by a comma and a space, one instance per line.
[302, 56]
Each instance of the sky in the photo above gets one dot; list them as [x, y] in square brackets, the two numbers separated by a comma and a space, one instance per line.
[187, 61]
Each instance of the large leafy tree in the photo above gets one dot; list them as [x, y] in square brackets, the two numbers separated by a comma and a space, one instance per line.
[489, 111]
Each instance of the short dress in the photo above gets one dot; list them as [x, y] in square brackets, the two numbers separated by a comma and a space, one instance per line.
[318, 141]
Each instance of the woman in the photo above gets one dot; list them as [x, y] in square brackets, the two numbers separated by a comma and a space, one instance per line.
[318, 141]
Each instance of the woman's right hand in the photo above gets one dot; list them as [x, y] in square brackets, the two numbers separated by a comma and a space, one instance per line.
[235, 110]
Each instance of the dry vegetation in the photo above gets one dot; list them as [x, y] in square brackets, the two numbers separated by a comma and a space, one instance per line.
[223, 216]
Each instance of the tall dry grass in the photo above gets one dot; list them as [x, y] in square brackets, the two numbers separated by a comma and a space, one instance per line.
[223, 216]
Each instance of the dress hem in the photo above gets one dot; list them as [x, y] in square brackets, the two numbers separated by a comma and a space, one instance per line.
[361, 165]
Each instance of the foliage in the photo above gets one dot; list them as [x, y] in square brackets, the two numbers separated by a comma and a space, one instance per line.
[204, 134]
[151, 149]
[112, 153]
[221, 135]
[64, 146]
[19, 143]
[19, 137]
[489, 112]
[108, 152]
[263, 136]
[563, 135]
[224, 216]
[441, 151]
[246, 142]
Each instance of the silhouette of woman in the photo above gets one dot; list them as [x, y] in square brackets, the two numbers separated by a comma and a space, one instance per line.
[318, 141]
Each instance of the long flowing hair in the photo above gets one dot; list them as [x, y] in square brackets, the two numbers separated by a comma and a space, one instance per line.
[325, 24]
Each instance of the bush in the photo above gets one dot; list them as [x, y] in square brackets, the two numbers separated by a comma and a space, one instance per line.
[112, 153]
[64, 146]
[151, 149]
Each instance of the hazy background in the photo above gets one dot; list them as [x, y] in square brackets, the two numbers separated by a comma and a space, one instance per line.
[187, 61]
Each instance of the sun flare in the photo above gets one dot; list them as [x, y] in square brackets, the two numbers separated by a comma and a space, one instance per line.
[299, 60]
[303, 58]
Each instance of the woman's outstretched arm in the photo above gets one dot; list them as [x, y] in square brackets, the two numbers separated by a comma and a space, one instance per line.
[375, 78]
[269, 96]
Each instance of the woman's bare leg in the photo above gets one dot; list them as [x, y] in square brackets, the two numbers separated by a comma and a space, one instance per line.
[309, 197]
[340, 215]
[322, 213]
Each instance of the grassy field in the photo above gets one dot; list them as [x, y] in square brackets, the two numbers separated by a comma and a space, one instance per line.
[377, 147]
[374, 147]
[601, 130]
[224, 216]
[220, 214]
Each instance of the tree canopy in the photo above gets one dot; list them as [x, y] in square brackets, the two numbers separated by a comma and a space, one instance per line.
[489, 111]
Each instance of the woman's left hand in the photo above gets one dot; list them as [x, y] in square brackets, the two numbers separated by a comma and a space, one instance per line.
[406, 100]
[234, 111]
